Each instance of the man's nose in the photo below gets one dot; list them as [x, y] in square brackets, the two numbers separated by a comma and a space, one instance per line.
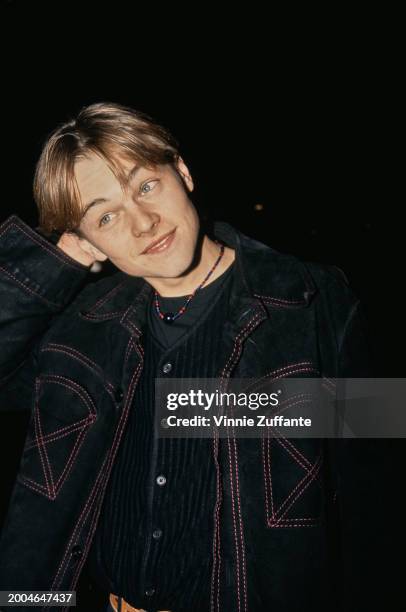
[141, 221]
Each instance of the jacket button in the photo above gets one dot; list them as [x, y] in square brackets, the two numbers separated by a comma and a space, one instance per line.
[161, 479]
[76, 552]
[149, 592]
[167, 368]
[118, 394]
[157, 533]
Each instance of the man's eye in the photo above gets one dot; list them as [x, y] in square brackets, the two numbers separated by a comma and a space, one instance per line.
[146, 185]
[103, 217]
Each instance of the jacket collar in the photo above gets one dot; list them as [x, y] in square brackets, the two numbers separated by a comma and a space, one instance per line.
[263, 278]
[266, 274]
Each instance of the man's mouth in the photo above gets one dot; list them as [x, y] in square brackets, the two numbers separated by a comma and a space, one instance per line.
[161, 244]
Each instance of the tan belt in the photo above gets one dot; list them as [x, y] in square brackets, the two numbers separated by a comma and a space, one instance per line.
[125, 607]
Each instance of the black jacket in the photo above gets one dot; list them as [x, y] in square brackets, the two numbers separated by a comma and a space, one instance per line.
[72, 355]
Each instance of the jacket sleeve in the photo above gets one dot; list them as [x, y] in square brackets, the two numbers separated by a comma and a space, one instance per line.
[362, 467]
[37, 281]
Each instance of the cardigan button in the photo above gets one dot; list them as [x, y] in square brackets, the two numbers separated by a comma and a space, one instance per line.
[167, 368]
[149, 592]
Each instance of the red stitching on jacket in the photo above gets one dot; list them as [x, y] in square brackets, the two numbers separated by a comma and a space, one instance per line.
[52, 346]
[268, 298]
[100, 482]
[110, 459]
[129, 322]
[309, 477]
[287, 524]
[251, 325]
[99, 317]
[329, 384]
[301, 486]
[105, 297]
[62, 432]
[55, 488]
[71, 384]
[80, 522]
[234, 525]
[216, 534]
[265, 463]
[129, 348]
[287, 403]
[51, 489]
[120, 428]
[292, 450]
[26, 288]
[31, 484]
[38, 434]
[35, 238]
[293, 368]
[235, 353]
[244, 571]
[139, 348]
[116, 441]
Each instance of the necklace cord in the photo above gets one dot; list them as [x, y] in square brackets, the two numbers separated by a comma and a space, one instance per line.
[169, 317]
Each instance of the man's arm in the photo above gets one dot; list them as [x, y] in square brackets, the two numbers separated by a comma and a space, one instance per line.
[37, 282]
[363, 469]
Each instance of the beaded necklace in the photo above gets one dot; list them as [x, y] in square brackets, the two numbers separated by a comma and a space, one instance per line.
[169, 317]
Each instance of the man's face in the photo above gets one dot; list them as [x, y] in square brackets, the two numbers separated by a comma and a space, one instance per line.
[154, 203]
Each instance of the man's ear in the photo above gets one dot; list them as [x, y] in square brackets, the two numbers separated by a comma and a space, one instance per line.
[183, 171]
[91, 250]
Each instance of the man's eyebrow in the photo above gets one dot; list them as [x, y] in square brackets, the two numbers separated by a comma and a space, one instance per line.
[129, 177]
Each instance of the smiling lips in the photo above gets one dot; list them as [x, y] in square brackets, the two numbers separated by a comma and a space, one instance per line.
[161, 245]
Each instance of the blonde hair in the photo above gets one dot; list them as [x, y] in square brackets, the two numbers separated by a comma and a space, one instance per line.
[107, 129]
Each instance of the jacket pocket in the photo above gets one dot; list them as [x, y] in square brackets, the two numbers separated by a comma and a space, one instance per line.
[292, 469]
[293, 483]
[62, 414]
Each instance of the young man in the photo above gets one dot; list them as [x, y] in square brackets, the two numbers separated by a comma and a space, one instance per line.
[164, 523]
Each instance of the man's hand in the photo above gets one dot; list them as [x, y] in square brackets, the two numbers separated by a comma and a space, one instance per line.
[70, 244]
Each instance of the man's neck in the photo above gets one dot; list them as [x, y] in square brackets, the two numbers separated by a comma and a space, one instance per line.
[185, 285]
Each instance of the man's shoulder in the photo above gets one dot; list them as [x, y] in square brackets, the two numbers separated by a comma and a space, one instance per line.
[96, 291]
[266, 252]
[321, 276]
[326, 272]
[94, 297]
[101, 299]
[333, 288]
